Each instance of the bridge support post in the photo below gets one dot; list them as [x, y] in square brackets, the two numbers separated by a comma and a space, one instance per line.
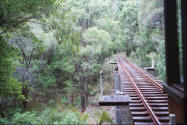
[117, 82]
[172, 119]
[101, 84]
[123, 115]
[121, 101]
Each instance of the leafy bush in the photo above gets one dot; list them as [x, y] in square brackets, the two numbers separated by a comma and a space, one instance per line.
[10, 111]
[25, 118]
[64, 100]
[49, 116]
[4, 121]
[77, 102]
[105, 117]
[74, 117]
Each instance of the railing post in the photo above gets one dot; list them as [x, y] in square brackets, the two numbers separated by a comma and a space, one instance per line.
[101, 84]
[120, 84]
[172, 120]
[117, 81]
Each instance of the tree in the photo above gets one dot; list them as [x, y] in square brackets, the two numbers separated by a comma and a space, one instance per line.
[128, 16]
[10, 88]
[16, 12]
[14, 29]
[152, 13]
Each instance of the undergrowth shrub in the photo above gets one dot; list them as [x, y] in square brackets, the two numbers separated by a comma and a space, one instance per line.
[105, 118]
[74, 117]
[48, 116]
[4, 121]
[25, 118]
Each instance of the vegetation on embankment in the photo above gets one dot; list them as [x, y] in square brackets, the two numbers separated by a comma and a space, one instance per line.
[51, 53]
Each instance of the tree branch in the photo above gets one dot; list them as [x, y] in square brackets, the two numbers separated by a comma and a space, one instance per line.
[19, 22]
[10, 26]
[30, 57]
[36, 22]
[24, 55]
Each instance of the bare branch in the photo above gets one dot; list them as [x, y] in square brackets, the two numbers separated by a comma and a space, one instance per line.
[36, 22]
[20, 48]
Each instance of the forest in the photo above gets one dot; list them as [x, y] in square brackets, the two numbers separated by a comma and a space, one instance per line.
[51, 53]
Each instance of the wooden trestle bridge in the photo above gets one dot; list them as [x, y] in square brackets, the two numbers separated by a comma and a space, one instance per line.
[148, 103]
[145, 96]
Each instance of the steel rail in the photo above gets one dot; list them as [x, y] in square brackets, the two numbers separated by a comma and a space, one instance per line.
[160, 87]
[146, 105]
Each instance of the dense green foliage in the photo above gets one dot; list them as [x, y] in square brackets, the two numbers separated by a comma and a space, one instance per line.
[143, 33]
[7, 83]
[48, 116]
[51, 52]
[16, 12]
[10, 88]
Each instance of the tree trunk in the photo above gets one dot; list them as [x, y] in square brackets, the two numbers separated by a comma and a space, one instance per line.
[25, 92]
[72, 98]
[83, 106]
[87, 81]
[81, 80]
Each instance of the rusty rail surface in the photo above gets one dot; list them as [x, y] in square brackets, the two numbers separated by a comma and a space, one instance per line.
[149, 104]
[151, 80]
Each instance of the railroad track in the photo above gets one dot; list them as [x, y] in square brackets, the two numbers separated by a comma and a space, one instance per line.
[149, 103]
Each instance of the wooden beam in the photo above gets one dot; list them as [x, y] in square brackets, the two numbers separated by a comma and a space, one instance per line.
[113, 100]
[171, 44]
[184, 27]
[184, 34]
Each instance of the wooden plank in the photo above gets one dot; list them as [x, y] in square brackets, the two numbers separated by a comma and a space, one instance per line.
[137, 109]
[143, 123]
[142, 119]
[143, 113]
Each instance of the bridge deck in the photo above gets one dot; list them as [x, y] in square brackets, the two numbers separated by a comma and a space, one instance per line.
[149, 103]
